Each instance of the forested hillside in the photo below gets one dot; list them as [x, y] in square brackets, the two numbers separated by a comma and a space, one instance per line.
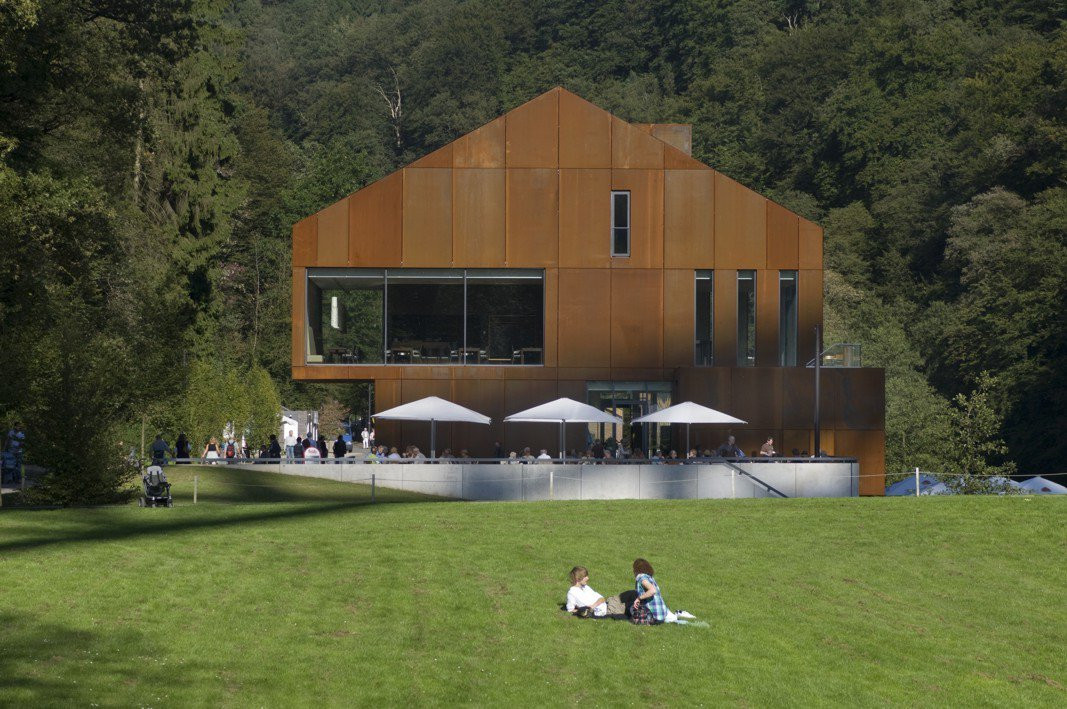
[155, 156]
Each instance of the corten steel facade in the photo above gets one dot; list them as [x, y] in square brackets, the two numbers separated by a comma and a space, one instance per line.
[531, 190]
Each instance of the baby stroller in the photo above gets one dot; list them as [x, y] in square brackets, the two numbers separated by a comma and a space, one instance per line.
[156, 488]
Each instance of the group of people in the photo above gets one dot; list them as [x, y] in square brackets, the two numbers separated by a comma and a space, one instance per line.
[597, 453]
[229, 449]
[309, 449]
[644, 605]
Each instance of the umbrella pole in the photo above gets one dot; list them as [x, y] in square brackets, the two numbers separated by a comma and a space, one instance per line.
[433, 439]
[687, 439]
[562, 452]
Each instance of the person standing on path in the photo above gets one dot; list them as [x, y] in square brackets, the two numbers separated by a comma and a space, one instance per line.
[290, 444]
[274, 451]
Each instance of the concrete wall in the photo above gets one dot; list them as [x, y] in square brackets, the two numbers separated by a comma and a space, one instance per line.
[487, 481]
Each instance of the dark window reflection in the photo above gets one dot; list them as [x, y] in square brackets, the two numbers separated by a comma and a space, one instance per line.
[746, 318]
[425, 318]
[345, 317]
[705, 314]
[504, 320]
[787, 318]
[620, 223]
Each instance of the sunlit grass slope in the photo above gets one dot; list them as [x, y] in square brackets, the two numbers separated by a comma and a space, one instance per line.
[276, 591]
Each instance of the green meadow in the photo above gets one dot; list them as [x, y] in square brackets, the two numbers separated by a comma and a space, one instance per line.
[279, 591]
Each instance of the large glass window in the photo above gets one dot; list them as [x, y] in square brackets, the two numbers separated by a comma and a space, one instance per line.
[504, 318]
[787, 318]
[620, 223]
[705, 319]
[425, 316]
[345, 316]
[746, 318]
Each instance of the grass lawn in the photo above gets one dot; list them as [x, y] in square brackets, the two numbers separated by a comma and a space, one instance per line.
[276, 591]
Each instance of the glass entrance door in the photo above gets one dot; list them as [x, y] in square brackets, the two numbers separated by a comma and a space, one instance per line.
[629, 401]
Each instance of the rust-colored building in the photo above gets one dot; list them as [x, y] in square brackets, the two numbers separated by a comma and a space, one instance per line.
[560, 251]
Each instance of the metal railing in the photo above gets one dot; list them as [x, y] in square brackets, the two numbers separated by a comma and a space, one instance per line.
[607, 460]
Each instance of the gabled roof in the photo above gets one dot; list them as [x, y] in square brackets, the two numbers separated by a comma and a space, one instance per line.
[587, 135]
[556, 130]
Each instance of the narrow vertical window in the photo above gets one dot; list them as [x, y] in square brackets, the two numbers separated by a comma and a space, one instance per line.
[746, 318]
[620, 223]
[787, 318]
[705, 319]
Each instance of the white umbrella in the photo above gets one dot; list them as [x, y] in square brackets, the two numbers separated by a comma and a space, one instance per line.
[561, 411]
[688, 413]
[433, 409]
[1043, 486]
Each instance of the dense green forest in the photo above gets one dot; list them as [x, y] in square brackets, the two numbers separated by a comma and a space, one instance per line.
[153, 157]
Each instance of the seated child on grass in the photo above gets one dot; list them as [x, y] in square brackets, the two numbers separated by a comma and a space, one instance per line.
[581, 595]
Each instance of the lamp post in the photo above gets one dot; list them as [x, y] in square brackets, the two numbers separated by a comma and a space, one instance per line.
[818, 357]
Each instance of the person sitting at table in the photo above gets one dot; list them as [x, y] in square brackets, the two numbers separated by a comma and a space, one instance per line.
[544, 457]
[767, 449]
[730, 449]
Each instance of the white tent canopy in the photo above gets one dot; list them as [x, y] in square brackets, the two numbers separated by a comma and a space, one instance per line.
[936, 489]
[907, 485]
[1043, 486]
[688, 413]
[433, 409]
[562, 411]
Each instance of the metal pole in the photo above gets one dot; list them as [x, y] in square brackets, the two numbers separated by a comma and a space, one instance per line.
[818, 357]
[687, 438]
[372, 485]
[551, 485]
[562, 451]
[433, 438]
[916, 482]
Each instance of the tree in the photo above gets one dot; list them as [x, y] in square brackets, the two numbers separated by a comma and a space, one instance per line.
[204, 407]
[264, 406]
[332, 417]
[978, 452]
[215, 402]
